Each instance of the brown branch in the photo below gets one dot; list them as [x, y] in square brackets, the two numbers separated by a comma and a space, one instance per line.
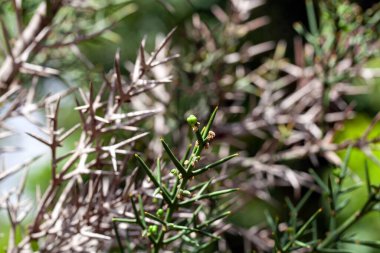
[41, 19]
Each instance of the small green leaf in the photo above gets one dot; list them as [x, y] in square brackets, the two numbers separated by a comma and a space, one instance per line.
[212, 220]
[121, 248]
[345, 163]
[153, 217]
[372, 244]
[301, 231]
[137, 215]
[326, 250]
[165, 193]
[124, 220]
[175, 161]
[368, 179]
[310, 10]
[208, 195]
[214, 164]
[209, 124]
[186, 156]
[319, 181]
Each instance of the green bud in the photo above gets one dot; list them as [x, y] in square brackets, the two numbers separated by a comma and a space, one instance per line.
[160, 213]
[174, 172]
[192, 120]
[152, 229]
[186, 193]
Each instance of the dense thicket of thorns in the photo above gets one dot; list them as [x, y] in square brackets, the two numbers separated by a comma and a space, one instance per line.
[293, 110]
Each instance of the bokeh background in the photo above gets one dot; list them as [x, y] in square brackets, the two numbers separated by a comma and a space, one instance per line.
[150, 18]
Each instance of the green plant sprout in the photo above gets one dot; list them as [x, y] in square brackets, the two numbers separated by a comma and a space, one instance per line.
[167, 226]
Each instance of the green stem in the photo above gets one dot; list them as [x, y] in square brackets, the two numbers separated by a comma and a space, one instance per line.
[118, 237]
[156, 248]
[186, 174]
[174, 204]
[311, 17]
[334, 235]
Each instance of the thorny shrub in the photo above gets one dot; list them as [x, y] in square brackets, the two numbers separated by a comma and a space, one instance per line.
[103, 195]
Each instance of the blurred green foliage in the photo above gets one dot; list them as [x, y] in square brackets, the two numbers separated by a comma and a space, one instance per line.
[367, 228]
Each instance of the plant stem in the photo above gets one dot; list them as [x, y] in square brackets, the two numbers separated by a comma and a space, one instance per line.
[118, 237]
[197, 150]
[332, 236]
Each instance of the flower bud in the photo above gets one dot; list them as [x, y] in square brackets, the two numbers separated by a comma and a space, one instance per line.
[192, 120]
[152, 229]
[186, 193]
[160, 213]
